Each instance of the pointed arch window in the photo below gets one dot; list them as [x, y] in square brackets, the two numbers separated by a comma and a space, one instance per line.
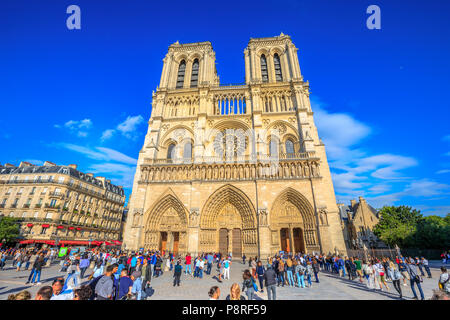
[194, 75]
[277, 67]
[171, 152]
[289, 148]
[187, 150]
[264, 73]
[180, 76]
[273, 146]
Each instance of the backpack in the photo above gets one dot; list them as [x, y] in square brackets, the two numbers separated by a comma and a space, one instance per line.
[92, 285]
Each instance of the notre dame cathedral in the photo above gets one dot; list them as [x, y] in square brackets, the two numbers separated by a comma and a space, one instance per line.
[233, 168]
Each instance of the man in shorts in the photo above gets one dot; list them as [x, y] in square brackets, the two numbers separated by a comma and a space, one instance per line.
[357, 263]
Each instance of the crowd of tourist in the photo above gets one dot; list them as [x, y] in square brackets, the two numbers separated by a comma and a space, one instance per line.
[116, 275]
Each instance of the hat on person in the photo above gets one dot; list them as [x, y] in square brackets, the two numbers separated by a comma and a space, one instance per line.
[136, 274]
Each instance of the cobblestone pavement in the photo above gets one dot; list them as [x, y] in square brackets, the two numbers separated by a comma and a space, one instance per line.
[330, 286]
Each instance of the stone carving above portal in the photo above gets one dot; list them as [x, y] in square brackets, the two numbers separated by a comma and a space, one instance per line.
[262, 214]
[323, 216]
[170, 221]
[229, 217]
[194, 217]
[137, 218]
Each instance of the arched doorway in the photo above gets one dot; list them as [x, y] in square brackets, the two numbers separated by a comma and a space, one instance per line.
[292, 223]
[228, 224]
[166, 227]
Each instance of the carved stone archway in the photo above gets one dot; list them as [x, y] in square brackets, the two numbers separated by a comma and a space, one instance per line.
[228, 208]
[293, 216]
[166, 225]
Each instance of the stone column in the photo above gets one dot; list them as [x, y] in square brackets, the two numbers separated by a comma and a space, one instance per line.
[291, 240]
[285, 67]
[270, 68]
[247, 66]
[169, 241]
[230, 241]
[187, 74]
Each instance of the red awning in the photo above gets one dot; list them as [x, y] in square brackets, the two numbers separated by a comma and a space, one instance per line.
[97, 243]
[26, 241]
[60, 227]
[70, 228]
[29, 225]
[109, 243]
[45, 225]
[74, 242]
[78, 228]
[49, 242]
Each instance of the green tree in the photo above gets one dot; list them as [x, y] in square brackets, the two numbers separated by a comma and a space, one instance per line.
[397, 225]
[433, 232]
[9, 229]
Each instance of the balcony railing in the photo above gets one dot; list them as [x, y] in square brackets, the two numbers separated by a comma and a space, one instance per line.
[49, 206]
[236, 159]
[26, 205]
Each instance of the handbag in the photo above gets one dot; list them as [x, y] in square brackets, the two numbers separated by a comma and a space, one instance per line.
[255, 287]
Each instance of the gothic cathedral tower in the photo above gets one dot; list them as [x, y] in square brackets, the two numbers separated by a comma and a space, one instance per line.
[233, 168]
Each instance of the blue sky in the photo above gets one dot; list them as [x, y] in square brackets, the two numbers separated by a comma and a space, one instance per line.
[381, 97]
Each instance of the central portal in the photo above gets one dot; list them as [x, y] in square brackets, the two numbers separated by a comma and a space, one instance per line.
[227, 224]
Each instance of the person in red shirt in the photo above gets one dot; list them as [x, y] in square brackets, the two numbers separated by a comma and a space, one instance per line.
[187, 262]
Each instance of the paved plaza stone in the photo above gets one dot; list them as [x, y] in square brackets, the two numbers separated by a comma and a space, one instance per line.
[331, 287]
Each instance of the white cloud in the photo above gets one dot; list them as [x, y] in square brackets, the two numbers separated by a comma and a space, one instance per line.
[425, 188]
[107, 134]
[446, 138]
[443, 171]
[114, 155]
[115, 165]
[339, 131]
[80, 128]
[127, 128]
[357, 172]
[120, 174]
[100, 153]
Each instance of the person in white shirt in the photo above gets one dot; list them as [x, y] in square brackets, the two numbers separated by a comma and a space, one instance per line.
[226, 269]
[60, 291]
[201, 267]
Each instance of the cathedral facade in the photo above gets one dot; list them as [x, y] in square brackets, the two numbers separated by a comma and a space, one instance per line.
[233, 168]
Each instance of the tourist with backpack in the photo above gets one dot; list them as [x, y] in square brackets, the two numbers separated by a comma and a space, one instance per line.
[248, 284]
[104, 288]
[260, 271]
[414, 278]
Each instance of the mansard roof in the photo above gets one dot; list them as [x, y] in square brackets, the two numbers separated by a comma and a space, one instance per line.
[63, 170]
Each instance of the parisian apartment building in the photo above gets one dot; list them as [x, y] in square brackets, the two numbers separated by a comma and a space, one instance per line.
[58, 204]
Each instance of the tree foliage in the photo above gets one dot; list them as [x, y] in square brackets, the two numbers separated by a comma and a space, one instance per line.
[9, 229]
[407, 228]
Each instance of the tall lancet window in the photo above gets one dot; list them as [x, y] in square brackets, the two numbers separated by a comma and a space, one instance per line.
[264, 73]
[171, 152]
[273, 146]
[187, 151]
[277, 65]
[180, 76]
[194, 76]
[289, 148]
